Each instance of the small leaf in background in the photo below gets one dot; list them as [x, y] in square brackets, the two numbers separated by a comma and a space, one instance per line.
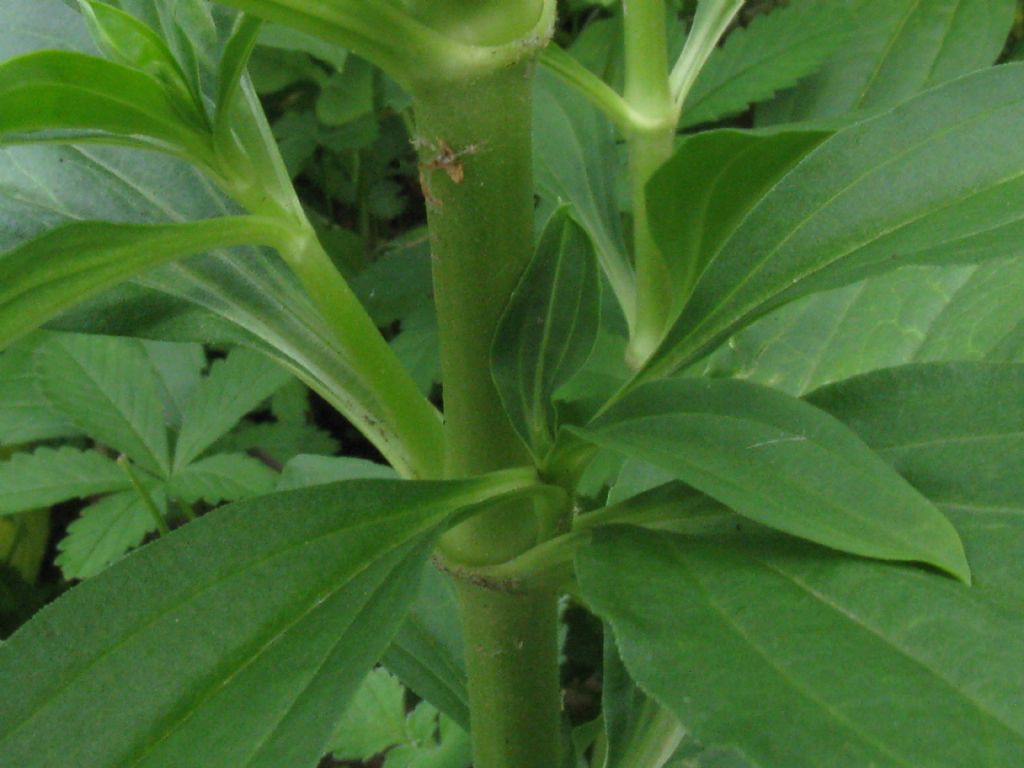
[346, 95]
[25, 415]
[547, 330]
[234, 387]
[24, 541]
[105, 531]
[110, 390]
[277, 442]
[180, 368]
[773, 53]
[222, 477]
[49, 476]
[304, 471]
[782, 463]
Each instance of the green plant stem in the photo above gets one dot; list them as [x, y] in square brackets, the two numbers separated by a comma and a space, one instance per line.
[650, 142]
[475, 145]
[512, 661]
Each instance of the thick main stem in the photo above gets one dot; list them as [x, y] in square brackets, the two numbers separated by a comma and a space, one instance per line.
[476, 161]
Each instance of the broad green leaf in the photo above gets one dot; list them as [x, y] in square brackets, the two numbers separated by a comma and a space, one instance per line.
[956, 431]
[696, 201]
[906, 187]
[234, 387]
[575, 163]
[125, 40]
[800, 657]
[771, 54]
[49, 476]
[547, 330]
[83, 97]
[306, 470]
[42, 276]
[207, 623]
[31, 25]
[780, 462]
[222, 477]
[895, 49]
[108, 388]
[25, 415]
[105, 531]
[427, 652]
[917, 314]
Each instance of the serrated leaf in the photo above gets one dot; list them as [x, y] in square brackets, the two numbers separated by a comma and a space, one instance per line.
[84, 97]
[49, 476]
[304, 471]
[374, 719]
[782, 463]
[279, 443]
[42, 276]
[234, 387]
[709, 186]
[206, 622]
[800, 657]
[25, 415]
[105, 531]
[547, 330]
[895, 49]
[771, 54]
[108, 388]
[180, 368]
[427, 652]
[907, 187]
[222, 477]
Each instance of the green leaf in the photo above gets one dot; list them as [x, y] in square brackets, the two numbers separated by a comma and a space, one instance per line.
[180, 367]
[775, 51]
[288, 39]
[232, 67]
[907, 187]
[347, 94]
[427, 652]
[956, 431]
[25, 415]
[696, 201]
[125, 40]
[108, 388]
[575, 161]
[451, 749]
[49, 476]
[277, 442]
[83, 97]
[41, 277]
[106, 531]
[207, 622]
[895, 49]
[29, 25]
[222, 477]
[373, 721]
[304, 471]
[783, 463]
[547, 330]
[234, 387]
[803, 658]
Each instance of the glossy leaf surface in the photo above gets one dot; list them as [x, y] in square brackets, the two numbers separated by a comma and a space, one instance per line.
[548, 330]
[782, 463]
[242, 634]
[904, 188]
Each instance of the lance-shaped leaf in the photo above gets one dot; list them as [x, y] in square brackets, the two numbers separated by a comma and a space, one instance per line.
[49, 476]
[711, 183]
[772, 53]
[548, 329]
[894, 49]
[907, 187]
[42, 277]
[800, 657]
[110, 390]
[82, 97]
[233, 641]
[783, 463]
